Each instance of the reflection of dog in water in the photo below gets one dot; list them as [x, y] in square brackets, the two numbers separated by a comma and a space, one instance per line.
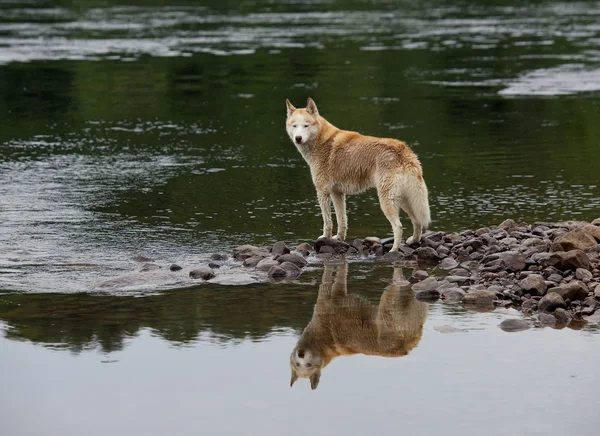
[344, 324]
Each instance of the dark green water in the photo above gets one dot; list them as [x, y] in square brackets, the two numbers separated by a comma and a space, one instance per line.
[147, 128]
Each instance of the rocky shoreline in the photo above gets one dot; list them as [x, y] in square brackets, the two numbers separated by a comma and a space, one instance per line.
[546, 270]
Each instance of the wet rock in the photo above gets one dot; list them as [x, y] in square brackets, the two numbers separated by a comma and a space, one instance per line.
[597, 291]
[452, 238]
[429, 284]
[583, 274]
[358, 244]
[233, 280]
[291, 269]
[372, 240]
[577, 239]
[448, 329]
[294, 258]
[453, 295]
[279, 248]
[593, 319]
[591, 303]
[304, 249]
[442, 251]
[326, 249]
[574, 290]
[529, 242]
[266, 264]
[202, 272]
[529, 306]
[550, 302]
[149, 267]
[514, 325]
[480, 298]
[251, 262]
[420, 274]
[243, 252]
[534, 284]
[428, 295]
[563, 318]
[219, 256]
[338, 246]
[277, 272]
[142, 258]
[555, 278]
[546, 319]
[448, 263]
[175, 267]
[568, 260]
[214, 265]
[393, 255]
[427, 254]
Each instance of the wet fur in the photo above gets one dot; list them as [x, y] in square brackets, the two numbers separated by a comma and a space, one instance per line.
[346, 324]
[343, 163]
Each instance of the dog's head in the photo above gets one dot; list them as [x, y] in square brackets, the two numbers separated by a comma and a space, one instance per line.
[302, 124]
[306, 364]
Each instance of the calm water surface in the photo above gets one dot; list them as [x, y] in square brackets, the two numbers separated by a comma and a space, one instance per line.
[139, 128]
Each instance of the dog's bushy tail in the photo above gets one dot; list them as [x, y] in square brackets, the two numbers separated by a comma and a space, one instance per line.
[417, 199]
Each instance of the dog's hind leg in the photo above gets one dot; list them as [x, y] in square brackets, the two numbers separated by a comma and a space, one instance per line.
[417, 230]
[391, 209]
[325, 203]
[339, 205]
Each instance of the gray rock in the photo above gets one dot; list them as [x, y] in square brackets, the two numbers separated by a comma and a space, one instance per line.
[142, 258]
[304, 249]
[428, 295]
[427, 254]
[555, 278]
[429, 284]
[251, 262]
[358, 244]
[563, 317]
[442, 250]
[514, 325]
[529, 306]
[460, 272]
[233, 280]
[577, 239]
[533, 284]
[243, 252]
[453, 295]
[550, 302]
[279, 248]
[480, 298]
[202, 272]
[458, 279]
[583, 274]
[507, 224]
[219, 256]
[175, 267]
[266, 264]
[512, 261]
[338, 246]
[448, 329]
[291, 269]
[448, 263]
[593, 319]
[326, 249]
[532, 242]
[214, 265]
[592, 230]
[590, 302]
[393, 255]
[295, 258]
[574, 290]
[547, 319]
[420, 274]
[277, 272]
[149, 267]
[597, 291]
[567, 260]
[452, 238]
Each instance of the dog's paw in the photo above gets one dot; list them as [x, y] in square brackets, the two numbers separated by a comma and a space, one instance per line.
[410, 241]
[338, 238]
[324, 236]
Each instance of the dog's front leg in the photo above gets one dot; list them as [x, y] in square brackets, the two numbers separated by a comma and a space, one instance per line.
[339, 205]
[325, 203]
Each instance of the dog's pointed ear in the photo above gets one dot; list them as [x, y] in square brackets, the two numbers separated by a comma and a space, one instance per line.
[314, 380]
[290, 107]
[311, 107]
[294, 378]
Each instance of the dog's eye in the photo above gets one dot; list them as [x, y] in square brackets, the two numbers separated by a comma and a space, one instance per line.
[306, 125]
[294, 125]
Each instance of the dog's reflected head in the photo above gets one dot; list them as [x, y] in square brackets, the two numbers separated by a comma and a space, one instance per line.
[306, 364]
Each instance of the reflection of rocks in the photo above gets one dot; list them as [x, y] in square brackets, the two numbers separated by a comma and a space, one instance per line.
[345, 324]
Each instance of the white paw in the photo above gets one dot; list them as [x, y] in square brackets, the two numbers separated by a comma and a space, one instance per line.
[338, 238]
[323, 236]
[410, 241]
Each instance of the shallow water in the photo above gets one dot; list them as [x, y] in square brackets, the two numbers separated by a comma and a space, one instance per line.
[159, 130]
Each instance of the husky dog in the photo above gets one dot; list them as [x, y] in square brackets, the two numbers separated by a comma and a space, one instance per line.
[345, 324]
[344, 163]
